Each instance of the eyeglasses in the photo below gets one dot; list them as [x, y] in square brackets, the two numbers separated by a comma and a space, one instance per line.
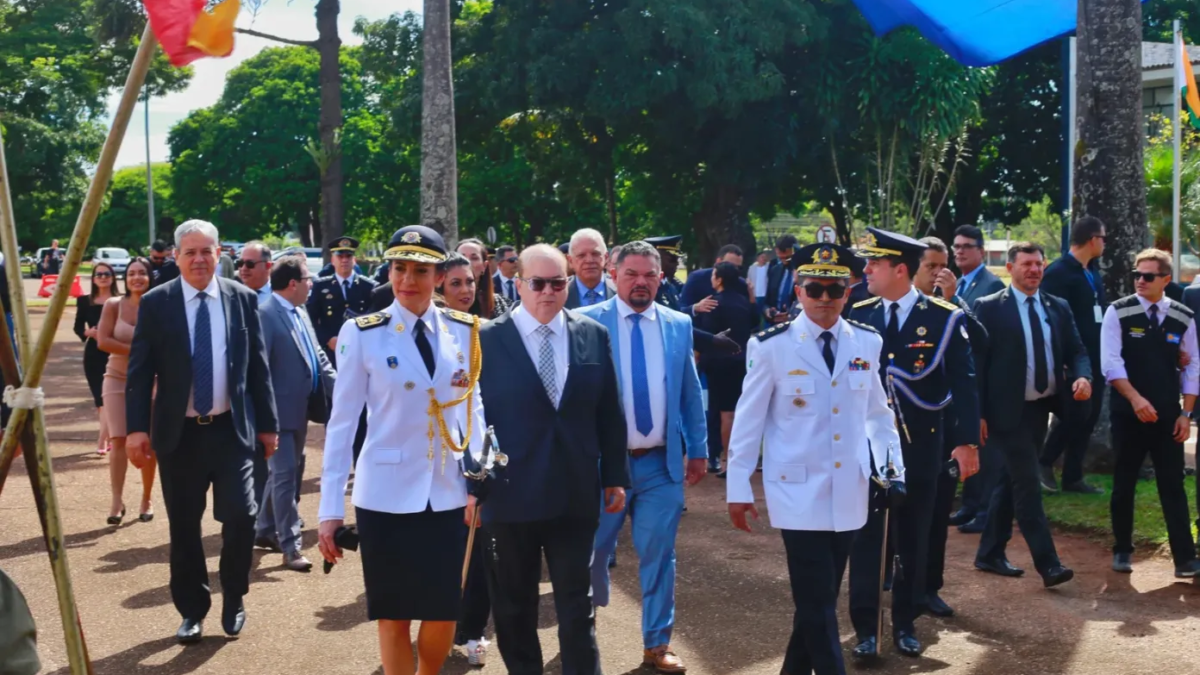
[964, 247]
[102, 275]
[1148, 277]
[248, 264]
[816, 290]
[1102, 237]
[538, 284]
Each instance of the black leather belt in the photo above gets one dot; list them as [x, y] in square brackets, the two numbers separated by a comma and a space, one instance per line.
[205, 420]
[642, 452]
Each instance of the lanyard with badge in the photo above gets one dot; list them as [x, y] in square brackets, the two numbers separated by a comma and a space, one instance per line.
[1091, 279]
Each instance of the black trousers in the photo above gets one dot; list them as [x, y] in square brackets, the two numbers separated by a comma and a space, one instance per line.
[209, 455]
[476, 604]
[977, 490]
[1134, 440]
[517, 562]
[910, 528]
[816, 564]
[1070, 435]
[1019, 493]
[939, 533]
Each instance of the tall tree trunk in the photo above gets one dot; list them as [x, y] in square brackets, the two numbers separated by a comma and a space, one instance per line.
[329, 46]
[439, 164]
[610, 198]
[724, 219]
[1109, 173]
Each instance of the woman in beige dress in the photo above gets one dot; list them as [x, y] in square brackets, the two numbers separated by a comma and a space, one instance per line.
[115, 336]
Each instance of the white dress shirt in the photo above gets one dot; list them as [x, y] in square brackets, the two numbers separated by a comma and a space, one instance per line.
[1113, 365]
[527, 326]
[430, 317]
[656, 375]
[263, 294]
[906, 302]
[508, 287]
[216, 323]
[341, 283]
[1031, 392]
[814, 331]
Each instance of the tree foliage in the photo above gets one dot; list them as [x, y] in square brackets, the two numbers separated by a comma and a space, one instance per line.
[125, 219]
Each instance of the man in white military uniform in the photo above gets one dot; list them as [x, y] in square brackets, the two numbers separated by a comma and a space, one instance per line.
[813, 394]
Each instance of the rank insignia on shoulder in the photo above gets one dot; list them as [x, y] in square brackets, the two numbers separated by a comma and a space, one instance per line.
[943, 303]
[371, 320]
[860, 365]
[867, 303]
[861, 325]
[461, 317]
[772, 331]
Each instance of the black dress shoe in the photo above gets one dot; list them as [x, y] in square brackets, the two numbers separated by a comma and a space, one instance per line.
[233, 618]
[1046, 478]
[867, 648]
[961, 517]
[974, 526]
[938, 606]
[907, 644]
[1188, 570]
[1057, 575]
[1001, 567]
[1083, 488]
[268, 543]
[1123, 563]
[189, 632]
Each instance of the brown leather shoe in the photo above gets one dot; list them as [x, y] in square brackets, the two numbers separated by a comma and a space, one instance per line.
[663, 659]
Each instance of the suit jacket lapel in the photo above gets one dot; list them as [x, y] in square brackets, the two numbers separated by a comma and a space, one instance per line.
[448, 351]
[290, 325]
[610, 318]
[510, 337]
[1016, 327]
[841, 359]
[577, 347]
[184, 343]
[808, 348]
[227, 306]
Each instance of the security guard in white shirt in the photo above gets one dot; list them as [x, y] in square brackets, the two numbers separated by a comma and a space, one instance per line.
[415, 367]
[813, 394]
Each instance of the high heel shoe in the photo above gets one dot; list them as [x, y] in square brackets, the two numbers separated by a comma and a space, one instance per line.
[146, 516]
[116, 520]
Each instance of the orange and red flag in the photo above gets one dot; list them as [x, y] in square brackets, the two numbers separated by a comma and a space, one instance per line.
[187, 32]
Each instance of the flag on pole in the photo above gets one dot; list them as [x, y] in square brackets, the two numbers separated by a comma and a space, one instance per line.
[188, 32]
[1188, 94]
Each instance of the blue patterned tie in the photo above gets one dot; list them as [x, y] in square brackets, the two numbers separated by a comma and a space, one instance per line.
[308, 348]
[643, 419]
[591, 298]
[202, 359]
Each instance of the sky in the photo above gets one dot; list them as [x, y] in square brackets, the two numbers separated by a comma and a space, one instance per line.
[285, 18]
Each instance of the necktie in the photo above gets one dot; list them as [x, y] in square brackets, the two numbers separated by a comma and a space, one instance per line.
[643, 420]
[1153, 310]
[827, 350]
[508, 290]
[892, 336]
[308, 348]
[784, 284]
[202, 359]
[346, 290]
[591, 298]
[1041, 379]
[958, 286]
[546, 368]
[424, 347]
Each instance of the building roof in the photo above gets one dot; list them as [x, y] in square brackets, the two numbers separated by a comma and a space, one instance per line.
[1162, 55]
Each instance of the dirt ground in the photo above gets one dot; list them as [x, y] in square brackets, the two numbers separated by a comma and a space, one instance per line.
[733, 614]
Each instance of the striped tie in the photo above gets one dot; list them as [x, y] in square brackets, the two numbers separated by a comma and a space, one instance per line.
[546, 368]
[202, 359]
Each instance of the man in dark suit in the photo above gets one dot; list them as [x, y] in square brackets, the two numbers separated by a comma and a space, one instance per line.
[589, 255]
[696, 296]
[1022, 382]
[778, 296]
[976, 281]
[199, 336]
[1075, 278]
[342, 295]
[858, 285]
[504, 281]
[550, 388]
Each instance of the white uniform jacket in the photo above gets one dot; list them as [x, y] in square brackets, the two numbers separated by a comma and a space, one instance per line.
[379, 366]
[818, 432]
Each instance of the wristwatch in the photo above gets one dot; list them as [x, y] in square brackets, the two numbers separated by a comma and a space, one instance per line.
[1188, 414]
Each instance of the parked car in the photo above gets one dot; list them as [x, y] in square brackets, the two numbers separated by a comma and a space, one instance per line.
[117, 257]
[313, 255]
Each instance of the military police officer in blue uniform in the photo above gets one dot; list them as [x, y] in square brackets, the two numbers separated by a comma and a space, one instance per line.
[671, 287]
[928, 370]
[342, 295]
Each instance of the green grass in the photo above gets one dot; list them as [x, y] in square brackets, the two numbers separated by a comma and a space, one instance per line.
[1090, 513]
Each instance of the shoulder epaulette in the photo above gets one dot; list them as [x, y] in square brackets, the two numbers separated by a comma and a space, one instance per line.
[861, 325]
[461, 317]
[867, 302]
[943, 303]
[771, 332]
[367, 321]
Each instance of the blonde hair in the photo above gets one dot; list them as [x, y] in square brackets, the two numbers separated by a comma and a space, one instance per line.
[1161, 257]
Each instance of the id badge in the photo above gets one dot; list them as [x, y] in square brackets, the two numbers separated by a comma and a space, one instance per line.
[1098, 313]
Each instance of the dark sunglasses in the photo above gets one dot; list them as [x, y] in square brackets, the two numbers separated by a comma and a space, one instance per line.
[1103, 237]
[102, 275]
[538, 284]
[815, 291]
[1148, 277]
[248, 264]
[510, 259]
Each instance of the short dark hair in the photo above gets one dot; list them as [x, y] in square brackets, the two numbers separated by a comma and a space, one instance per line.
[727, 272]
[785, 242]
[500, 250]
[286, 270]
[731, 248]
[970, 231]
[1085, 229]
[911, 262]
[1025, 247]
[935, 244]
[639, 248]
[453, 259]
[159, 246]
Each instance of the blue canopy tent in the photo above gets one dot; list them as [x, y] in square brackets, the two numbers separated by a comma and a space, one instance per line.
[975, 32]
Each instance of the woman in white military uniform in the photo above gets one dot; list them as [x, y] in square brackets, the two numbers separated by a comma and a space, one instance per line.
[415, 367]
[812, 394]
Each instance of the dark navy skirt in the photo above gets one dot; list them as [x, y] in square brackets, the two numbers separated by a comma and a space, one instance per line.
[412, 563]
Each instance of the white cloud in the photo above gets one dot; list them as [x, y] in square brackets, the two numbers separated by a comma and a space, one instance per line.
[286, 18]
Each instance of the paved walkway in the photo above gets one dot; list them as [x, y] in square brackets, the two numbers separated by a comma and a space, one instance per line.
[734, 609]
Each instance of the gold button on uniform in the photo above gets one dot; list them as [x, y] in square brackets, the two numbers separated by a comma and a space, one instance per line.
[837, 465]
[837, 437]
[833, 384]
[835, 411]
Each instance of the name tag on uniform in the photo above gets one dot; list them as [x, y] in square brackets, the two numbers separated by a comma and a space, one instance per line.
[1137, 332]
[1098, 313]
[1173, 338]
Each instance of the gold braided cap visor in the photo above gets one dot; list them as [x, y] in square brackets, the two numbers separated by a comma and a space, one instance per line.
[824, 271]
[413, 253]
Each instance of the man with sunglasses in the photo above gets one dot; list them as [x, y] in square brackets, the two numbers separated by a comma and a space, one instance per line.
[162, 266]
[254, 269]
[928, 371]
[1141, 338]
[342, 295]
[504, 281]
[814, 378]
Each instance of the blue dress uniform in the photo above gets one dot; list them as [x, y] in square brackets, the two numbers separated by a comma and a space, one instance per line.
[671, 288]
[817, 490]
[929, 372]
[417, 377]
[333, 301]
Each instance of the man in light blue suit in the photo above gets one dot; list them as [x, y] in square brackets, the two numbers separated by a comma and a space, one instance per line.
[660, 391]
